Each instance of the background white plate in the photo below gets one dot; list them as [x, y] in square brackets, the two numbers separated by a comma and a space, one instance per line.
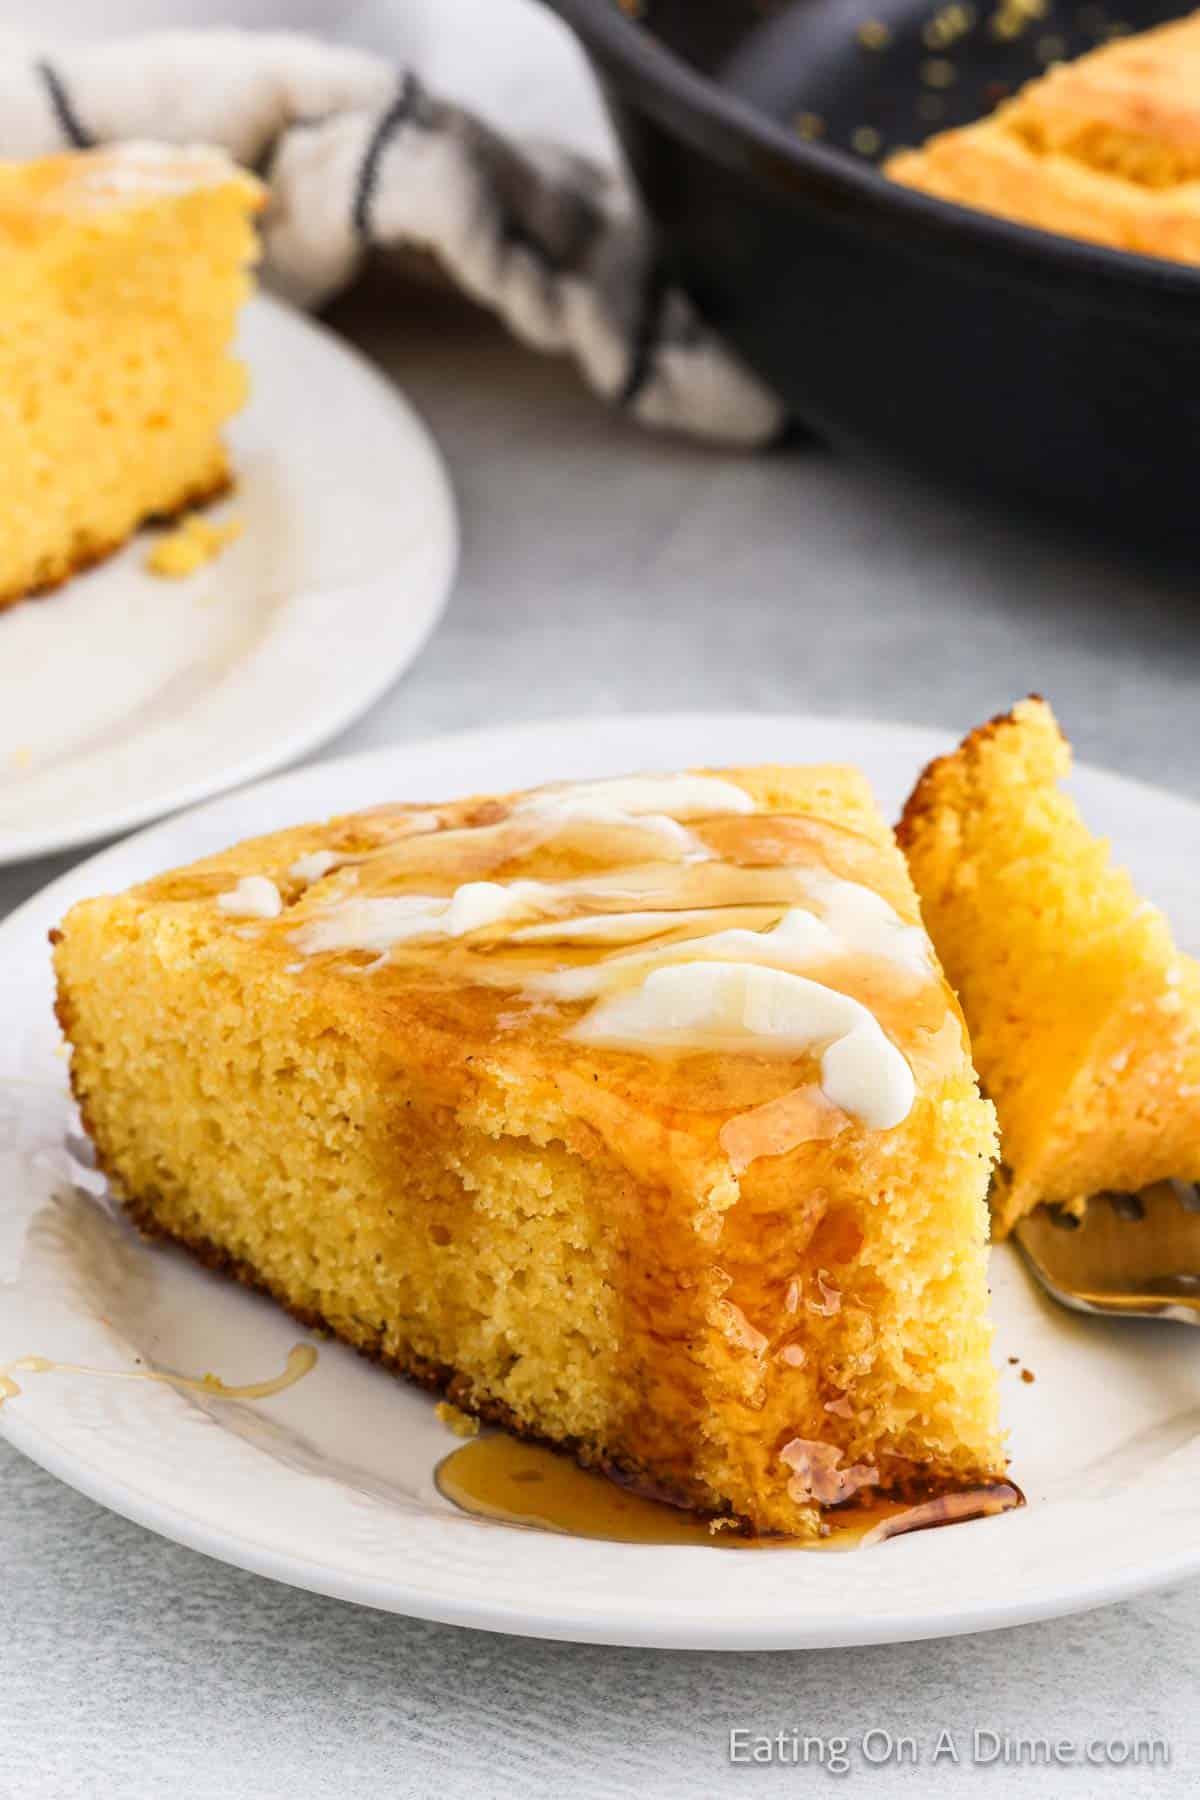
[330, 1486]
[124, 696]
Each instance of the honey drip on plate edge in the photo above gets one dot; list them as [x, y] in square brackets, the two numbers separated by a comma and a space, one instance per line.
[514, 1483]
[301, 1358]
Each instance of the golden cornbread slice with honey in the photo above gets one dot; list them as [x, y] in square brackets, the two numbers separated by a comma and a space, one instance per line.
[1084, 1016]
[1105, 148]
[121, 274]
[634, 1114]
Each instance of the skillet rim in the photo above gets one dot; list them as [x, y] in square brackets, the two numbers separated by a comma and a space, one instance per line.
[718, 123]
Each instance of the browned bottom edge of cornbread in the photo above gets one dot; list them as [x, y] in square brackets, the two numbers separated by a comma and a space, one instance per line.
[653, 1479]
[90, 553]
[436, 1378]
[442, 1379]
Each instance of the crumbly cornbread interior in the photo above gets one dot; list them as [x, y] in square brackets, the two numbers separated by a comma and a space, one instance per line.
[413, 1150]
[1084, 1016]
[1105, 148]
[121, 274]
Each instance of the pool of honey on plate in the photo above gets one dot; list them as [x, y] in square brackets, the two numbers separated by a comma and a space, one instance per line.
[515, 1483]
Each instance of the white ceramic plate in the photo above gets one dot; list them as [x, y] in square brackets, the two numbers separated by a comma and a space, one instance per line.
[330, 1486]
[124, 696]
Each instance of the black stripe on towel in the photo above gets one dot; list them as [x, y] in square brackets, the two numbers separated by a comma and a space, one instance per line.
[389, 122]
[646, 334]
[69, 122]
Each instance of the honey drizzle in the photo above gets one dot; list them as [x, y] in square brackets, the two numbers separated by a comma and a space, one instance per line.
[746, 871]
[602, 878]
[301, 1359]
[510, 1482]
[803, 1116]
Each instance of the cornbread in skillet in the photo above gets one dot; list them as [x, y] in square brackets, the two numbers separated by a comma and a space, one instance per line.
[1084, 1017]
[1106, 148]
[634, 1114]
[121, 274]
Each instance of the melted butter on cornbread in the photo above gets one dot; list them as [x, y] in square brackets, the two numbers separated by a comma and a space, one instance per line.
[135, 169]
[791, 963]
[254, 897]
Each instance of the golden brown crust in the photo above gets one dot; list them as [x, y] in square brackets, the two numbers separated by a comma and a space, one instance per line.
[203, 493]
[924, 797]
[1105, 148]
[1143, 86]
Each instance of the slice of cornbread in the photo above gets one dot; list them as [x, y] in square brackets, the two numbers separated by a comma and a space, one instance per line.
[121, 274]
[1105, 148]
[634, 1114]
[1084, 1017]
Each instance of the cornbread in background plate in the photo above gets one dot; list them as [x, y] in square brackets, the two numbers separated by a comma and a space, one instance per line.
[1105, 148]
[1084, 1017]
[635, 1115]
[121, 275]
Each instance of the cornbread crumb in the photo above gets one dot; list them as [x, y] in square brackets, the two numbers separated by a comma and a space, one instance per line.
[193, 543]
[866, 140]
[947, 26]
[873, 34]
[1013, 17]
[462, 1424]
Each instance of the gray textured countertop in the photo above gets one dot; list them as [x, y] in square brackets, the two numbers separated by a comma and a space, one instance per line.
[604, 571]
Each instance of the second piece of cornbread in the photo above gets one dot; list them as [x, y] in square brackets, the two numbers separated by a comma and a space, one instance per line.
[122, 271]
[1084, 1016]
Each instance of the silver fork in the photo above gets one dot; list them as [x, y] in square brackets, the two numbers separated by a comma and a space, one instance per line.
[1137, 1255]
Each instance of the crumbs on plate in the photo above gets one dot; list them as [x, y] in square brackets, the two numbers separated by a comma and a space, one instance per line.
[191, 544]
[457, 1421]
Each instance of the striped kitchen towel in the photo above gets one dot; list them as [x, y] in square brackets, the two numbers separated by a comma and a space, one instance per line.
[360, 159]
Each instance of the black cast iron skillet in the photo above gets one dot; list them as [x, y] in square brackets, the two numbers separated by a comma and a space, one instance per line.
[987, 354]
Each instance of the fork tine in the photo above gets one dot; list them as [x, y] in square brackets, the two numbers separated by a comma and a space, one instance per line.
[1135, 1255]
